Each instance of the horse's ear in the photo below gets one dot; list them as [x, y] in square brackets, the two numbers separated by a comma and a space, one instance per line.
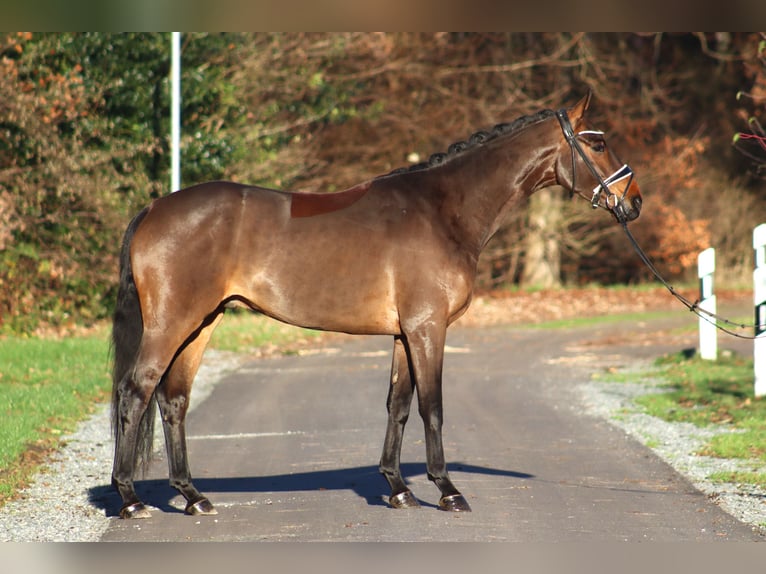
[577, 112]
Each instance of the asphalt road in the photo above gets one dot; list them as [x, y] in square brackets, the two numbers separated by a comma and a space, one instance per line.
[287, 449]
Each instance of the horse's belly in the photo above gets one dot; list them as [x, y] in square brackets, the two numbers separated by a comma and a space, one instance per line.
[330, 303]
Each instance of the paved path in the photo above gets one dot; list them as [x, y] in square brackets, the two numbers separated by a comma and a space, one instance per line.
[287, 449]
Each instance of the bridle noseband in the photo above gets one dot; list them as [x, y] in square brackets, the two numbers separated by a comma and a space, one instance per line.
[614, 203]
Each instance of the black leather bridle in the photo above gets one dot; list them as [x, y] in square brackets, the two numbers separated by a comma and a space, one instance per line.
[614, 203]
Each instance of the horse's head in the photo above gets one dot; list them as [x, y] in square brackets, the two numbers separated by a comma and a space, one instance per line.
[587, 167]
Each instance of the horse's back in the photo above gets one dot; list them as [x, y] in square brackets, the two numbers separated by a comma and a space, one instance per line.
[195, 200]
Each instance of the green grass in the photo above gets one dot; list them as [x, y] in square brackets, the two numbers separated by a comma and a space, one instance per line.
[46, 387]
[740, 477]
[708, 393]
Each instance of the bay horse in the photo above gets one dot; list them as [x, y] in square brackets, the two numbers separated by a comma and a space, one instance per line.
[396, 255]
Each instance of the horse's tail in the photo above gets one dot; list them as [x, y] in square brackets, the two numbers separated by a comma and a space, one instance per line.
[127, 331]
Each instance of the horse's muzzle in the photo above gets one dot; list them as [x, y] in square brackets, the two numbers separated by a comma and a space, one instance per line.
[625, 211]
[633, 211]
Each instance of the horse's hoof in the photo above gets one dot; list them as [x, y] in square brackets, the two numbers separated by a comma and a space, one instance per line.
[454, 503]
[403, 500]
[200, 508]
[135, 510]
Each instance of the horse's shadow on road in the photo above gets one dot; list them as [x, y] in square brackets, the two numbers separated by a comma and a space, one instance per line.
[365, 481]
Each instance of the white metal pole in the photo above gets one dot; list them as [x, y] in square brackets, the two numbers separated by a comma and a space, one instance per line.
[708, 330]
[175, 112]
[759, 298]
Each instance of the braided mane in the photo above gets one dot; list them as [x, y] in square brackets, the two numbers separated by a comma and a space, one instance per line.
[477, 139]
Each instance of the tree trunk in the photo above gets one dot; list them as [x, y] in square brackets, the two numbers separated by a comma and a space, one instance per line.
[542, 257]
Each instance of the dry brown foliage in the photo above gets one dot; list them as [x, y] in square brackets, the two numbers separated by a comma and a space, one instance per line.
[61, 217]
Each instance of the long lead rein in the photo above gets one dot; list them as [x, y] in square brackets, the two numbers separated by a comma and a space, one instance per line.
[695, 308]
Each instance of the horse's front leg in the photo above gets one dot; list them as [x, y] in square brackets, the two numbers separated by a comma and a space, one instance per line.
[426, 352]
[399, 401]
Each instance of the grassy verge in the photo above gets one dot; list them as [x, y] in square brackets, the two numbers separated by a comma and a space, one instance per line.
[46, 387]
[708, 393]
[49, 384]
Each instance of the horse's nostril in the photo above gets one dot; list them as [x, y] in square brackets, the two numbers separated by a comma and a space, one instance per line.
[637, 201]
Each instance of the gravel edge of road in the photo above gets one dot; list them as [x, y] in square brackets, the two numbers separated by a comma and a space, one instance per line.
[676, 444]
[56, 508]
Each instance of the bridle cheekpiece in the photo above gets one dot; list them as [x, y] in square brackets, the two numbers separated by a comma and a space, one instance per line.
[614, 203]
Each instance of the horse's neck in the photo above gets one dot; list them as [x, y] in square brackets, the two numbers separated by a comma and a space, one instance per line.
[493, 181]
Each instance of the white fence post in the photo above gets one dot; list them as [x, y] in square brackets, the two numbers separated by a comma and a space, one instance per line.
[708, 330]
[759, 298]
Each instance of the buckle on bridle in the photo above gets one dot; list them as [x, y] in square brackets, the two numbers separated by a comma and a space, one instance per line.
[604, 185]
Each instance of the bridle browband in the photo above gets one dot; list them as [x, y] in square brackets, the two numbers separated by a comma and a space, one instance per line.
[614, 203]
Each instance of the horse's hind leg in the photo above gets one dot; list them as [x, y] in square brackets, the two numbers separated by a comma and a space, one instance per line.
[132, 407]
[133, 437]
[399, 400]
[173, 399]
[133, 413]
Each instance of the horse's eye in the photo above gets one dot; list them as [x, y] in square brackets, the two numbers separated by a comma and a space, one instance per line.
[599, 147]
